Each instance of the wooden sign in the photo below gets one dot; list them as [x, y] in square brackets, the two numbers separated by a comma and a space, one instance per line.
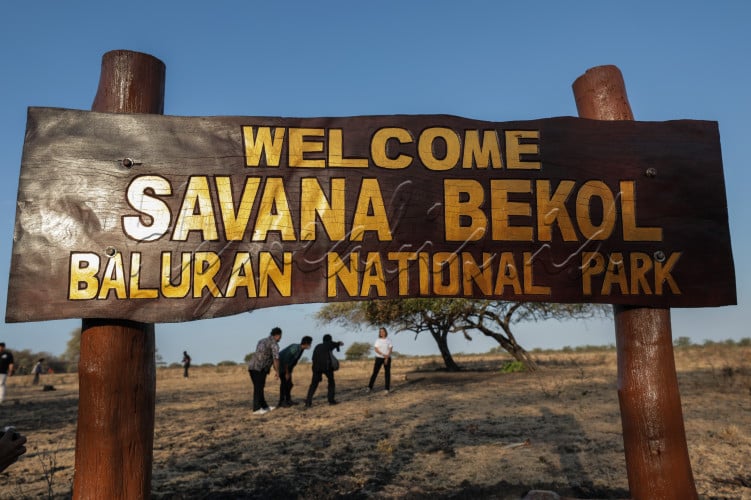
[162, 219]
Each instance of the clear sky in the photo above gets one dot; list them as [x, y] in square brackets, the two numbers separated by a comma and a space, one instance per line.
[489, 60]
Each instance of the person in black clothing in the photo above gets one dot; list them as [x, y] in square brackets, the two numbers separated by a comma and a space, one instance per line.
[186, 363]
[322, 366]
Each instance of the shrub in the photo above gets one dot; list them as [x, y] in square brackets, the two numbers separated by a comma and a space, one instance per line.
[513, 367]
[358, 350]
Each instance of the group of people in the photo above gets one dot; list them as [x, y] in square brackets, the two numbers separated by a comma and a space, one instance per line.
[324, 363]
[266, 357]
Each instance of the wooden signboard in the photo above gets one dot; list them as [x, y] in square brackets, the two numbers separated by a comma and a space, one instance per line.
[161, 218]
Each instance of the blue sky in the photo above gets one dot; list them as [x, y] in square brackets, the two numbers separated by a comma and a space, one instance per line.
[489, 60]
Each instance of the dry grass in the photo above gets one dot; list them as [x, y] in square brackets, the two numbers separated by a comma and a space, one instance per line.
[476, 434]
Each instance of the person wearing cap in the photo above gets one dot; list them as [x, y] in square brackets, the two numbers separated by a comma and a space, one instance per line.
[323, 365]
[288, 358]
[266, 356]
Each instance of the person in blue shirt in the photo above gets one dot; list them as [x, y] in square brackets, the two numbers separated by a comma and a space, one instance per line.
[288, 358]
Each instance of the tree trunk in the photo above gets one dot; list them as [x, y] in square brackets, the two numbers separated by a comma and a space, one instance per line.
[511, 347]
[521, 355]
[443, 346]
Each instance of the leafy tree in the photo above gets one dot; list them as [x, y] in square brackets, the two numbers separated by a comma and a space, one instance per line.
[494, 318]
[358, 350]
[436, 316]
[72, 352]
[24, 360]
[682, 342]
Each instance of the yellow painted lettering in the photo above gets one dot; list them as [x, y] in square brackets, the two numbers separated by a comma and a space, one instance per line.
[338, 270]
[552, 209]
[529, 279]
[477, 274]
[136, 292]
[427, 151]
[423, 266]
[615, 274]
[241, 276]
[261, 142]
[84, 268]
[270, 272]
[273, 212]
[186, 267]
[631, 232]
[593, 264]
[336, 158]
[196, 212]
[236, 222]
[299, 147]
[508, 275]
[313, 202]
[446, 269]
[370, 213]
[662, 274]
[379, 148]
[589, 229]
[481, 154]
[518, 143]
[205, 267]
[403, 260]
[640, 264]
[502, 209]
[114, 278]
[464, 220]
[372, 276]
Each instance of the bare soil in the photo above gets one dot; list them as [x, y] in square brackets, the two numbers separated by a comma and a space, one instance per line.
[479, 433]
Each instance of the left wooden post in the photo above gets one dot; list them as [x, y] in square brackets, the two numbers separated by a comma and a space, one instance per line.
[117, 371]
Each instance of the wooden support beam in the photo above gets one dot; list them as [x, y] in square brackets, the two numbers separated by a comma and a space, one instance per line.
[117, 371]
[654, 437]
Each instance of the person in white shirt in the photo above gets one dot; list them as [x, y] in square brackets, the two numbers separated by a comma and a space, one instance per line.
[383, 348]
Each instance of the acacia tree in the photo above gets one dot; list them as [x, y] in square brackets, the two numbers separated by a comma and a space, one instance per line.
[487, 316]
[437, 316]
[440, 317]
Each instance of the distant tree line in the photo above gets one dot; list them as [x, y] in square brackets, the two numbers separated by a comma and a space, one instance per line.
[353, 313]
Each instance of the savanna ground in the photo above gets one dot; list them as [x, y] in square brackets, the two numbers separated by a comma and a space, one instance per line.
[475, 434]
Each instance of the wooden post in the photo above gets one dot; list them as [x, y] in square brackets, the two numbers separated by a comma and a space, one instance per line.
[654, 437]
[117, 372]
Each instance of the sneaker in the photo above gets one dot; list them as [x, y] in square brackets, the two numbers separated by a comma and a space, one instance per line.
[367, 390]
[386, 392]
[333, 402]
[260, 411]
[271, 408]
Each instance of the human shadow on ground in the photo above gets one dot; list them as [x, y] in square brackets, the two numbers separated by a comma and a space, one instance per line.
[342, 461]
